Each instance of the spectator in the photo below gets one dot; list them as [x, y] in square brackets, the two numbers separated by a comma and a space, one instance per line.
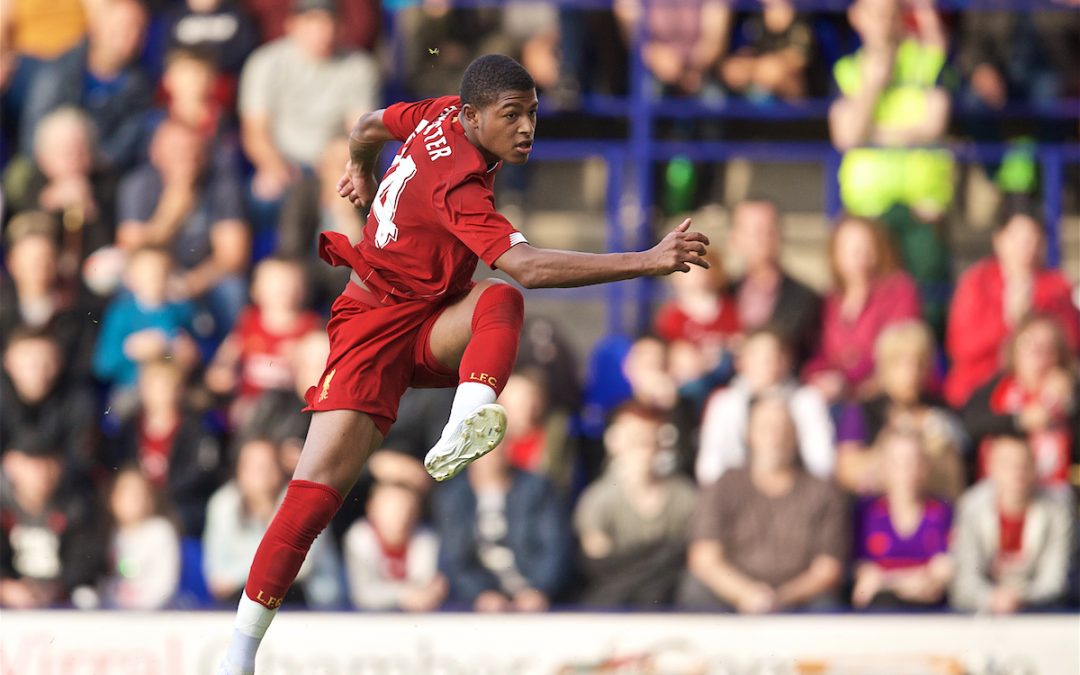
[1013, 543]
[771, 536]
[537, 438]
[257, 356]
[766, 295]
[359, 21]
[218, 28]
[40, 401]
[172, 445]
[902, 537]
[50, 548]
[903, 357]
[764, 368]
[1037, 396]
[391, 560]
[194, 207]
[891, 100]
[143, 325]
[685, 39]
[296, 94]
[192, 96]
[775, 54]
[701, 313]
[67, 180]
[505, 538]
[869, 294]
[995, 294]
[236, 517]
[144, 546]
[101, 77]
[37, 299]
[632, 521]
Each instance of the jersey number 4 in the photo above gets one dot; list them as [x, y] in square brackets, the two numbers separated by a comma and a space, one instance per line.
[386, 199]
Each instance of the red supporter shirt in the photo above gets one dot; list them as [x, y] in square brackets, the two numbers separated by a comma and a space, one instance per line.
[673, 324]
[266, 360]
[434, 213]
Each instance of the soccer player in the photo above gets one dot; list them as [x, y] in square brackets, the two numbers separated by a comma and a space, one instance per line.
[411, 314]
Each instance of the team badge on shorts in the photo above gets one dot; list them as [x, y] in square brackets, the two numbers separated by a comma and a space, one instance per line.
[326, 385]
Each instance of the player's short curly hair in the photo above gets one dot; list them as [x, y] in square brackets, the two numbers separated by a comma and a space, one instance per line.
[489, 76]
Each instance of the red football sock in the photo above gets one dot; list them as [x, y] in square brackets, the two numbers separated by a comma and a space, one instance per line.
[303, 514]
[496, 331]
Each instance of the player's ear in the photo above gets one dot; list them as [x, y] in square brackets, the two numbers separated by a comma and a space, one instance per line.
[470, 115]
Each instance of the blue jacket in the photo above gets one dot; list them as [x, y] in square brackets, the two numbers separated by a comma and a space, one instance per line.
[538, 533]
[124, 317]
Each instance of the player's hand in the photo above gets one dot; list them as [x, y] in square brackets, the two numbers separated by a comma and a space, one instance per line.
[680, 249]
[357, 186]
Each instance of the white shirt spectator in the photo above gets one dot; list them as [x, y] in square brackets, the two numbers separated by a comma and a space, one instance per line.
[373, 583]
[146, 571]
[723, 431]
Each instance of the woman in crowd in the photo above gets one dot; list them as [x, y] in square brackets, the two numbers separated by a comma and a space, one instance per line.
[903, 357]
[869, 294]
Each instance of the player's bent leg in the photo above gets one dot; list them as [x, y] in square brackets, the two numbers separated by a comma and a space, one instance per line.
[337, 446]
[479, 336]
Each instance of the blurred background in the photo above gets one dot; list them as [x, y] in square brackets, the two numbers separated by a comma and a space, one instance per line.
[869, 406]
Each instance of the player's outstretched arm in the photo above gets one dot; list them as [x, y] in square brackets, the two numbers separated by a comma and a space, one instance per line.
[366, 140]
[549, 268]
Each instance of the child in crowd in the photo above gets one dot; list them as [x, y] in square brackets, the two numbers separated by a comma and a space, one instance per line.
[142, 325]
[391, 560]
[258, 355]
[144, 549]
[902, 537]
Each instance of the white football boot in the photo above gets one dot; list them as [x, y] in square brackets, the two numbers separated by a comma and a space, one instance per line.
[477, 435]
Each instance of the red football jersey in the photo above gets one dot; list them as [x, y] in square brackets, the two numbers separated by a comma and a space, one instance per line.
[434, 213]
[266, 360]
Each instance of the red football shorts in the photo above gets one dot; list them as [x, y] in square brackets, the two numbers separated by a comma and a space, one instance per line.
[376, 353]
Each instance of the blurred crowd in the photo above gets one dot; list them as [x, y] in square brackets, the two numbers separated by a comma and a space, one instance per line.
[168, 166]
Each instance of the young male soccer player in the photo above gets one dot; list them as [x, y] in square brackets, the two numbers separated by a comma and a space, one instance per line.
[412, 316]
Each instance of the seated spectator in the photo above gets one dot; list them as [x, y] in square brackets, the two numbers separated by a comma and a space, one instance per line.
[763, 367]
[194, 207]
[1012, 543]
[51, 549]
[505, 538]
[701, 313]
[32, 34]
[891, 100]
[67, 180]
[236, 518]
[537, 438]
[869, 294]
[391, 560]
[296, 94]
[101, 77]
[902, 537]
[766, 295]
[218, 28]
[996, 293]
[143, 324]
[38, 299]
[632, 521]
[685, 39]
[39, 399]
[359, 21]
[774, 55]
[903, 365]
[191, 95]
[144, 546]
[1037, 396]
[257, 356]
[171, 444]
[645, 368]
[769, 537]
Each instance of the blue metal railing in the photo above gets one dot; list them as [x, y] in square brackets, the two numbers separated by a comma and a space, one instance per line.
[630, 161]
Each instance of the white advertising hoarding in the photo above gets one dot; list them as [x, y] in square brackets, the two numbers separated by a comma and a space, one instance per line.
[300, 643]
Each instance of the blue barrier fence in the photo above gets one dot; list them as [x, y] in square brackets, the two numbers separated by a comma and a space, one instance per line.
[630, 161]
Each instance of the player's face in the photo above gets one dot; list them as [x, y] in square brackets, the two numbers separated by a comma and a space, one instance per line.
[504, 129]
